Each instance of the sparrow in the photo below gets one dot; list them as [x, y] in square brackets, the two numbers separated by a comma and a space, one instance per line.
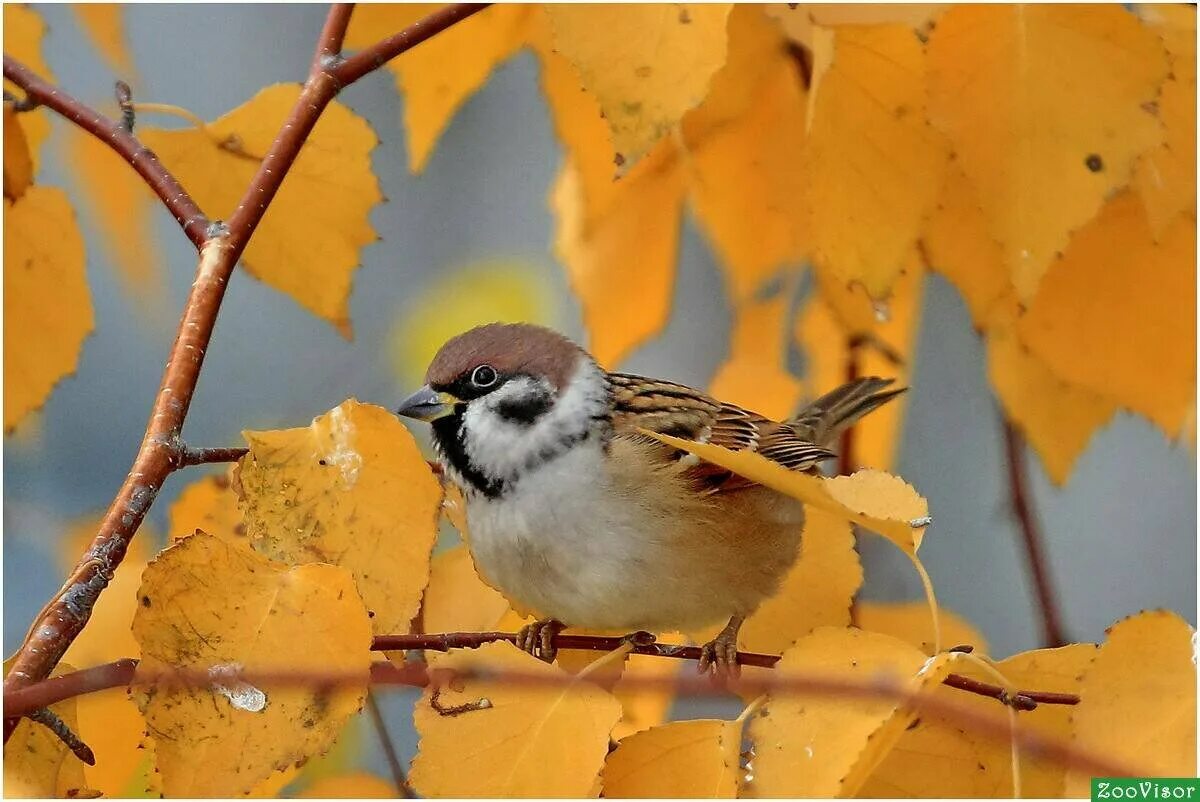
[575, 513]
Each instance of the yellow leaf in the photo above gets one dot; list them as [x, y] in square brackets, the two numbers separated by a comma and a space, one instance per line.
[458, 299]
[642, 708]
[524, 740]
[210, 505]
[104, 26]
[645, 64]
[817, 591]
[621, 265]
[881, 502]
[457, 600]
[206, 604]
[874, 165]
[698, 759]
[18, 165]
[746, 180]
[23, 32]
[755, 375]
[1044, 105]
[799, 19]
[440, 75]
[939, 758]
[1058, 418]
[822, 745]
[358, 785]
[36, 762]
[911, 622]
[352, 489]
[47, 304]
[330, 182]
[1137, 701]
[122, 204]
[1117, 314]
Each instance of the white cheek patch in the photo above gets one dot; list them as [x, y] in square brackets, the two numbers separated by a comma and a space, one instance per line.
[504, 449]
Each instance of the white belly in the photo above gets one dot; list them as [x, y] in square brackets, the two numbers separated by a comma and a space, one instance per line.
[575, 543]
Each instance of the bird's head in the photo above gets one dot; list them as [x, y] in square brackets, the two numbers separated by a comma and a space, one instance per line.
[507, 397]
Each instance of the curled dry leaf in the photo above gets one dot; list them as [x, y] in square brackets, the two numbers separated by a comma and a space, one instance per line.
[698, 759]
[822, 745]
[1137, 700]
[937, 757]
[1004, 85]
[646, 65]
[524, 740]
[351, 489]
[331, 181]
[207, 604]
[47, 304]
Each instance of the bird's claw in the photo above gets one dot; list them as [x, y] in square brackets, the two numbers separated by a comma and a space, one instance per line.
[720, 655]
[538, 638]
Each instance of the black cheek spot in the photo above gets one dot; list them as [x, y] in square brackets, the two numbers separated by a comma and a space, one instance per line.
[1094, 162]
[524, 410]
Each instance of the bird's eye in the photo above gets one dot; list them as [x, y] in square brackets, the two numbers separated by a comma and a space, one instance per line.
[483, 376]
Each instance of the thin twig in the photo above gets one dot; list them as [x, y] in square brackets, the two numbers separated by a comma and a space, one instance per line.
[1031, 536]
[51, 721]
[125, 103]
[157, 177]
[64, 616]
[206, 456]
[389, 748]
[384, 673]
[380, 53]
[329, 43]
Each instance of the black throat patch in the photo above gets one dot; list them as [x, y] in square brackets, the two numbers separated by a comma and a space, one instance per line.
[449, 438]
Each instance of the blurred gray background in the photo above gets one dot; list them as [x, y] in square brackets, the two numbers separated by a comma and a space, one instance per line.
[1121, 536]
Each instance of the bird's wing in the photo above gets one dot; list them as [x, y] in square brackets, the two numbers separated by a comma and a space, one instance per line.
[680, 411]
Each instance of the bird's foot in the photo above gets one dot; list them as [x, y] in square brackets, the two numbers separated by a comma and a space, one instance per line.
[538, 638]
[720, 655]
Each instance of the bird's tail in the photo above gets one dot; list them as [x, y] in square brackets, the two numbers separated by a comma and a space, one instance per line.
[823, 421]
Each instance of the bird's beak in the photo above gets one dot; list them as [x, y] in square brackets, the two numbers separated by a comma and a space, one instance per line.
[427, 404]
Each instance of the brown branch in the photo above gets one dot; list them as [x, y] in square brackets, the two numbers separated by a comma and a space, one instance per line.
[206, 456]
[50, 720]
[380, 53]
[329, 43]
[1031, 536]
[383, 673]
[64, 616]
[193, 222]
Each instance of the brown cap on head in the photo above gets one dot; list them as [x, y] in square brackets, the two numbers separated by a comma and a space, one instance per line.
[509, 348]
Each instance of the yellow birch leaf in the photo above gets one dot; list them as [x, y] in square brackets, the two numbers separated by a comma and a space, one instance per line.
[358, 785]
[1166, 176]
[881, 502]
[208, 604]
[874, 165]
[646, 65]
[36, 762]
[747, 182]
[1045, 108]
[755, 375]
[47, 304]
[122, 204]
[330, 182]
[817, 591]
[632, 247]
[436, 78]
[352, 489]
[911, 623]
[800, 19]
[23, 32]
[822, 745]
[208, 504]
[457, 600]
[526, 741]
[958, 244]
[105, 28]
[1056, 417]
[1117, 314]
[938, 757]
[642, 708]
[18, 164]
[697, 759]
[1137, 701]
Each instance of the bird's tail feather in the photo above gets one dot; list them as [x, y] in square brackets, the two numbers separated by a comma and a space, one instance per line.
[823, 421]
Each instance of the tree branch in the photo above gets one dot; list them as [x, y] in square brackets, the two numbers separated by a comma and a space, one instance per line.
[1031, 536]
[178, 202]
[206, 456]
[124, 673]
[329, 43]
[64, 616]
